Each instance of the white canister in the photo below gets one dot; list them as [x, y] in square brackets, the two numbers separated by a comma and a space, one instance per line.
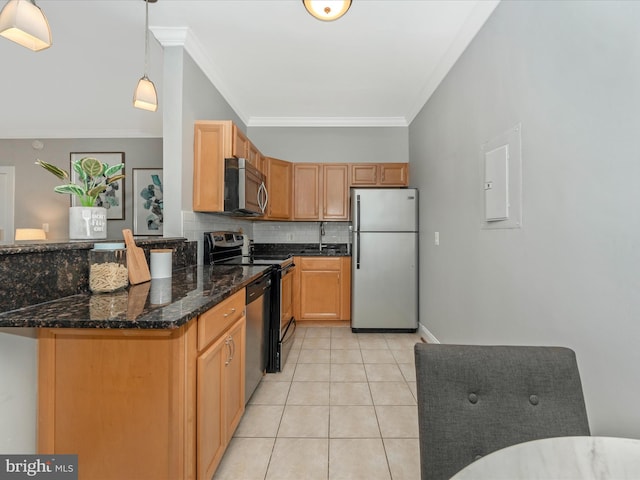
[161, 260]
[160, 291]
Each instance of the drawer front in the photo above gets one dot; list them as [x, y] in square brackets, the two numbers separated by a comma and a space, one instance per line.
[320, 263]
[216, 320]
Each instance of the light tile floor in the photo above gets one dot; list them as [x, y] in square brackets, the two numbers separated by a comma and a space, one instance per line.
[344, 407]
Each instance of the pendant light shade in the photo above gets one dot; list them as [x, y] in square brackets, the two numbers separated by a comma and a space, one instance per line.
[23, 22]
[145, 97]
[327, 10]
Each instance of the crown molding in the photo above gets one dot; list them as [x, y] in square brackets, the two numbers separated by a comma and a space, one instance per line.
[75, 133]
[474, 22]
[184, 37]
[327, 122]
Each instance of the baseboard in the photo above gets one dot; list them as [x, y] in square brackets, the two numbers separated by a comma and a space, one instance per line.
[429, 337]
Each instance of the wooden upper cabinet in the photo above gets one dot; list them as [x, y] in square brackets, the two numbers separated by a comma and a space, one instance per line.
[320, 191]
[379, 174]
[335, 191]
[394, 174]
[306, 191]
[364, 174]
[279, 187]
[240, 145]
[211, 145]
[254, 156]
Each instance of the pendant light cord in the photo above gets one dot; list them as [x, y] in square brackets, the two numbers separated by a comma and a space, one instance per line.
[146, 38]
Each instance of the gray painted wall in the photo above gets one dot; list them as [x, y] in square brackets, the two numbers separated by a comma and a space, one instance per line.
[568, 71]
[333, 144]
[36, 202]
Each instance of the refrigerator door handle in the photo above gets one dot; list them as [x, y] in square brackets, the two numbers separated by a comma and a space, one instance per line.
[357, 213]
[357, 234]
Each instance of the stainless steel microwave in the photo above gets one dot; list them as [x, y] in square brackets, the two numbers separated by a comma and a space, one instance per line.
[245, 192]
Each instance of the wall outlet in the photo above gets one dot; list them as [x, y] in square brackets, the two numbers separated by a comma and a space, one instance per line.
[45, 227]
[436, 238]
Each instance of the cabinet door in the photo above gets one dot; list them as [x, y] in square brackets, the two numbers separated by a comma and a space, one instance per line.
[306, 191]
[364, 174]
[233, 407]
[211, 144]
[210, 442]
[394, 174]
[220, 396]
[279, 186]
[335, 189]
[253, 155]
[320, 288]
[240, 145]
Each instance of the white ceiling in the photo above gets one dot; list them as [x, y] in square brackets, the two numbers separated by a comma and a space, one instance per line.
[272, 61]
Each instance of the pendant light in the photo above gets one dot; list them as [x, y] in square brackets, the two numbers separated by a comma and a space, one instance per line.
[145, 96]
[23, 22]
[327, 10]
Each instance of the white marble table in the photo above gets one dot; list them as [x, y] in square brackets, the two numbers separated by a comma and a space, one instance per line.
[558, 458]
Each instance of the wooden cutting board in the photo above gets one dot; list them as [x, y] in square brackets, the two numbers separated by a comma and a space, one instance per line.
[137, 299]
[136, 261]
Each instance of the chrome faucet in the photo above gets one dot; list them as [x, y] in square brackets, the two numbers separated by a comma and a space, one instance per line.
[322, 234]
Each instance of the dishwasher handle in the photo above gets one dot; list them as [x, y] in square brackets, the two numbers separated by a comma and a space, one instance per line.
[258, 288]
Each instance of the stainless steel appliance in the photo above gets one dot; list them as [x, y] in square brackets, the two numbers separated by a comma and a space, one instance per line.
[384, 259]
[245, 192]
[258, 313]
[226, 248]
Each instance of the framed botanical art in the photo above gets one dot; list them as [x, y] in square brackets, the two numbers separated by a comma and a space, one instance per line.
[113, 197]
[148, 207]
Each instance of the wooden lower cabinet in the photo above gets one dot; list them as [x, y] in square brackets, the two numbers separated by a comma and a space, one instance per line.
[220, 397]
[143, 404]
[323, 288]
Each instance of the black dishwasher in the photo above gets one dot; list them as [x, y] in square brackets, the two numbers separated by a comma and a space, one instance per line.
[258, 311]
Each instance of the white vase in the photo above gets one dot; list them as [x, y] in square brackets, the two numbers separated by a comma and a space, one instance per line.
[87, 223]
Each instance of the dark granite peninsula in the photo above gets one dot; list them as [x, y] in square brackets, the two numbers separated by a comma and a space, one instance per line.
[139, 383]
[188, 293]
[36, 272]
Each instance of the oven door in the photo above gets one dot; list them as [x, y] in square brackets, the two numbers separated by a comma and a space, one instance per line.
[287, 322]
[282, 326]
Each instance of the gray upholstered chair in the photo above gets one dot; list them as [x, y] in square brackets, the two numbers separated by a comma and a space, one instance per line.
[473, 400]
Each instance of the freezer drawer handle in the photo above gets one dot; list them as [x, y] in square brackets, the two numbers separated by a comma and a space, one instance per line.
[357, 250]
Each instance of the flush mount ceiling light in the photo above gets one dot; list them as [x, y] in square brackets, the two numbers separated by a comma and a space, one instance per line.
[145, 96]
[23, 22]
[327, 10]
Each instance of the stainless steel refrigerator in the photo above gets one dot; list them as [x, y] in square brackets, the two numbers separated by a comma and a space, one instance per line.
[384, 289]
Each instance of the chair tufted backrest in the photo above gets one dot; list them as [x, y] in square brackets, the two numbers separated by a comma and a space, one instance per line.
[473, 400]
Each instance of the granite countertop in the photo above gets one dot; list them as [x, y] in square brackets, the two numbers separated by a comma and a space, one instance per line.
[188, 293]
[303, 249]
[38, 246]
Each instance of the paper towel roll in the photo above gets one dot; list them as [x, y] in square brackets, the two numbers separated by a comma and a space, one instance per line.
[161, 262]
[245, 245]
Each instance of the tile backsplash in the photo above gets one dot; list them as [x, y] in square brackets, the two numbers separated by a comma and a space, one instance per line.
[195, 224]
[300, 232]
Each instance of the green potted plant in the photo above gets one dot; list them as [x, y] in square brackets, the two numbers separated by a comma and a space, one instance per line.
[86, 221]
[94, 175]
